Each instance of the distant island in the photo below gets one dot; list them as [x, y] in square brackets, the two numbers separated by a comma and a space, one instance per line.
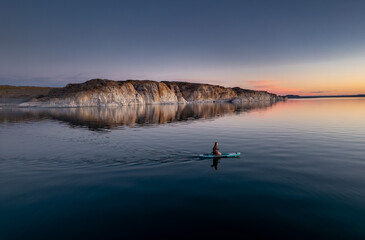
[325, 96]
[103, 92]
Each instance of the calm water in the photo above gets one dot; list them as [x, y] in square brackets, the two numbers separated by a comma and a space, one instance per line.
[127, 173]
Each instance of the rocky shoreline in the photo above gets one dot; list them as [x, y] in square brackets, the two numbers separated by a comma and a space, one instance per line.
[102, 92]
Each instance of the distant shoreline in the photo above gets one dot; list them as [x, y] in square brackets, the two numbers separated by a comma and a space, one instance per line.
[16, 92]
[329, 96]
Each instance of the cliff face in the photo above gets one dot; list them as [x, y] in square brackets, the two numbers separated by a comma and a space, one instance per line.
[195, 92]
[100, 92]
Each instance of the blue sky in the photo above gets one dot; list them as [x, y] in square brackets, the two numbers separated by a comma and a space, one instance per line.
[232, 43]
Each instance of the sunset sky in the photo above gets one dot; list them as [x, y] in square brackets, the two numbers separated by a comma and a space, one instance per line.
[305, 47]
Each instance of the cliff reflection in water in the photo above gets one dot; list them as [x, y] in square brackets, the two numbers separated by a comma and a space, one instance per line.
[139, 115]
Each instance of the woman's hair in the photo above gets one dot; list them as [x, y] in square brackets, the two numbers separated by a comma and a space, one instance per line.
[215, 143]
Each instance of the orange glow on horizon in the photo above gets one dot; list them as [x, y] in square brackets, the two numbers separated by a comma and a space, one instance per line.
[343, 88]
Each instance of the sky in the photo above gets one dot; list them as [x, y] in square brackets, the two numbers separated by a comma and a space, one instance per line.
[305, 47]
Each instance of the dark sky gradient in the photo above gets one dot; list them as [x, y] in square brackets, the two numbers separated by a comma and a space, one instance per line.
[51, 43]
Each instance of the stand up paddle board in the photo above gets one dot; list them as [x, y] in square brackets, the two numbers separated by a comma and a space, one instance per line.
[224, 155]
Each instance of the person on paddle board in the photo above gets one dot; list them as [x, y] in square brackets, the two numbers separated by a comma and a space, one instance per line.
[215, 149]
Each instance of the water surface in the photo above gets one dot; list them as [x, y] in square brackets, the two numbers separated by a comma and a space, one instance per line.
[99, 173]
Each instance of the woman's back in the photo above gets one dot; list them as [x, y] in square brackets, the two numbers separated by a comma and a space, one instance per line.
[215, 149]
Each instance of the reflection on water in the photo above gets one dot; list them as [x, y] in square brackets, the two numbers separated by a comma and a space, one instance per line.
[301, 174]
[140, 115]
[215, 162]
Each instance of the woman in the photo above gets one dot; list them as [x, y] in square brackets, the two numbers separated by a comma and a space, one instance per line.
[215, 149]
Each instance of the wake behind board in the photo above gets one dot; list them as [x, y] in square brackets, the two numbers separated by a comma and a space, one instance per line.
[224, 155]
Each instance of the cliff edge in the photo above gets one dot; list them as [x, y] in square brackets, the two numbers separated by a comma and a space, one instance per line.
[102, 92]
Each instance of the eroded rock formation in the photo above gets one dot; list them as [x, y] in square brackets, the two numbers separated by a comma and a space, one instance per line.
[101, 92]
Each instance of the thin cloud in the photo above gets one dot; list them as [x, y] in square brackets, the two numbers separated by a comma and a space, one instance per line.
[273, 87]
[263, 83]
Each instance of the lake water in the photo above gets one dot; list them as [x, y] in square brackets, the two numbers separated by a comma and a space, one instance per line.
[128, 173]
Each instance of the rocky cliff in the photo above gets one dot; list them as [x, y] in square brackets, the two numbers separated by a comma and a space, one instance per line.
[101, 92]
